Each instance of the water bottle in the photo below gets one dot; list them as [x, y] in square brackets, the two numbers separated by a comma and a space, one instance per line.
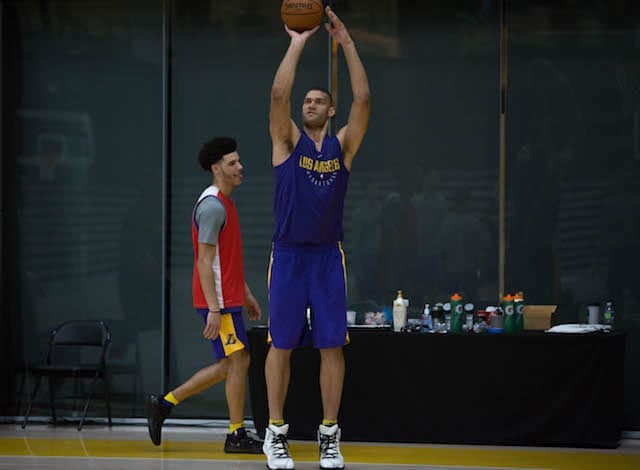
[468, 317]
[437, 318]
[609, 314]
[518, 308]
[496, 319]
[509, 314]
[457, 314]
[399, 312]
[427, 322]
[446, 310]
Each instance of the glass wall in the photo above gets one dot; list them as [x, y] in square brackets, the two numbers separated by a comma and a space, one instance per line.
[85, 132]
[109, 104]
[573, 163]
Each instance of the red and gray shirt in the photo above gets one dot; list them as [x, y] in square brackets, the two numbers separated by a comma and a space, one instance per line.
[215, 221]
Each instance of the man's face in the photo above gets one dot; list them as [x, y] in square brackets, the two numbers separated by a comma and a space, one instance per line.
[316, 109]
[229, 170]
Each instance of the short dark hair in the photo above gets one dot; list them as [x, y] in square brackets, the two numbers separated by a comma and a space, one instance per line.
[213, 150]
[323, 90]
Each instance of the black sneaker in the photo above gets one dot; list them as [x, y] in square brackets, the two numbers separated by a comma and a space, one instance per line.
[156, 414]
[243, 442]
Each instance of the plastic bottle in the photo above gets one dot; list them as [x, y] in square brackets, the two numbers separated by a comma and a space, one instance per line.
[609, 315]
[437, 318]
[468, 317]
[427, 322]
[482, 322]
[518, 307]
[399, 312]
[446, 311]
[495, 318]
[457, 314]
[509, 314]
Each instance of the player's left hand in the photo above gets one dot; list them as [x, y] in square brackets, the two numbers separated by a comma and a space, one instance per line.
[212, 326]
[336, 28]
[254, 312]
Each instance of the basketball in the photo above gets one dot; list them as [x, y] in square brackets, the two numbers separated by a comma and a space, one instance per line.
[301, 15]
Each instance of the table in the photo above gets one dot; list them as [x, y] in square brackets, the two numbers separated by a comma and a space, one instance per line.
[531, 388]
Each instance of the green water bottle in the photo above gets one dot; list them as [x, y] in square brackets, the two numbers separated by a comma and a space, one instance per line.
[609, 315]
[457, 314]
[509, 314]
[518, 307]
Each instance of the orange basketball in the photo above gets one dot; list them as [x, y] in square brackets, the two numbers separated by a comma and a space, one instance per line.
[301, 15]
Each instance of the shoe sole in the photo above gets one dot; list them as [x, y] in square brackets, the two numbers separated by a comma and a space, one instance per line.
[150, 409]
[248, 451]
[151, 437]
[279, 468]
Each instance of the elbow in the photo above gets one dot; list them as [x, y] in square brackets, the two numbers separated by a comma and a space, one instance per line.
[362, 97]
[278, 94]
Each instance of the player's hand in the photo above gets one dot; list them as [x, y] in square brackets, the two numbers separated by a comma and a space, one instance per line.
[254, 312]
[304, 35]
[212, 327]
[336, 28]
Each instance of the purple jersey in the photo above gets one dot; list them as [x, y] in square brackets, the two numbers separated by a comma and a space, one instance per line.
[310, 188]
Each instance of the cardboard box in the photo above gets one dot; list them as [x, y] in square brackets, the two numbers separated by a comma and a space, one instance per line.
[538, 317]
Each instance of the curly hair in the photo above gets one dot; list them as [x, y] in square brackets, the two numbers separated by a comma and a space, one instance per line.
[213, 150]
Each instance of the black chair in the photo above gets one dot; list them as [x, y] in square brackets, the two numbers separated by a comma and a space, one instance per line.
[77, 349]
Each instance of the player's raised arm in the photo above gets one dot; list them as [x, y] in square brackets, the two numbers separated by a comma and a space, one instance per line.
[284, 133]
[353, 132]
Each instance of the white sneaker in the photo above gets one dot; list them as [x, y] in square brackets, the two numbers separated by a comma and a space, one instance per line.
[276, 449]
[329, 440]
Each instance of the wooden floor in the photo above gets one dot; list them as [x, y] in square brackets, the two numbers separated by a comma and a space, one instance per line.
[128, 447]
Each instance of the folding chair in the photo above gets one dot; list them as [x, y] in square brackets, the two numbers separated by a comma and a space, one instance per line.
[77, 349]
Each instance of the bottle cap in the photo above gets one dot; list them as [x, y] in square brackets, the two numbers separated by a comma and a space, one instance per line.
[456, 296]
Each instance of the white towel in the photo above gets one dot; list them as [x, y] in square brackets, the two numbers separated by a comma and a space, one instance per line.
[579, 328]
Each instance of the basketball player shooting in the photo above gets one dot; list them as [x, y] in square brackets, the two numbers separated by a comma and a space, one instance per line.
[307, 269]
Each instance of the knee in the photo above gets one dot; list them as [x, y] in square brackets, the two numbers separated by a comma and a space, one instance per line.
[277, 357]
[241, 359]
[332, 354]
[223, 365]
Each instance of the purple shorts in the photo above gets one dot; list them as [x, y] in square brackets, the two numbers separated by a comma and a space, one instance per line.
[302, 278]
[233, 335]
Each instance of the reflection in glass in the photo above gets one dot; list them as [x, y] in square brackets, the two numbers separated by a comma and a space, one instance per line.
[573, 198]
[85, 106]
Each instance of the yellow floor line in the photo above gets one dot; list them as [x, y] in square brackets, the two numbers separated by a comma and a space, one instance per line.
[307, 452]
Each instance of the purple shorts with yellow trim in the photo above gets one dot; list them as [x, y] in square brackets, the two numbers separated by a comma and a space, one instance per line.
[302, 278]
[233, 335]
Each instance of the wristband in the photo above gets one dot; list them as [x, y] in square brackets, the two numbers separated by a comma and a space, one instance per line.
[214, 311]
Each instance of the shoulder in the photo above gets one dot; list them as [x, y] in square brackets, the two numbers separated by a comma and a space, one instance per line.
[210, 201]
[210, 205]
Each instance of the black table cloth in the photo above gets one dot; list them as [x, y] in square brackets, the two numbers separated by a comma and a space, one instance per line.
[531, 388]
